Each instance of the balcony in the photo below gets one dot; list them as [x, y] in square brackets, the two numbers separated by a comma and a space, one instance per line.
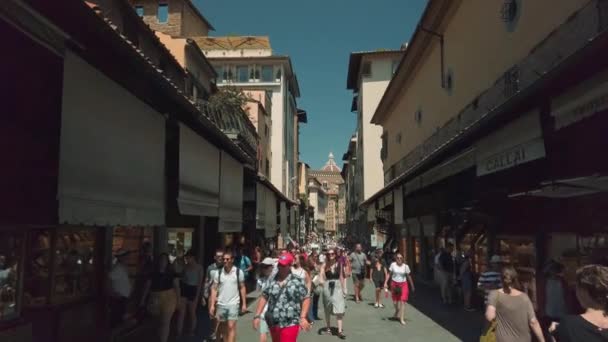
[234, 123]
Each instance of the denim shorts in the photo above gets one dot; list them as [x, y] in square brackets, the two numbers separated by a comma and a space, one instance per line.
[227, 313]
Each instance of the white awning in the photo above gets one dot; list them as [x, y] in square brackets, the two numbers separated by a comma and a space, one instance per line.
[260, 195]
[270, 228]
[112, 153]
[283, 213]
[231, 195]
[199, 175]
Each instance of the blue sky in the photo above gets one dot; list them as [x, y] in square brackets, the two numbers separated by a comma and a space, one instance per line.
[319, 36]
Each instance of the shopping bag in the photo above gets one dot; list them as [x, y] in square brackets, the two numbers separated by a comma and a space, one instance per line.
[490, 334]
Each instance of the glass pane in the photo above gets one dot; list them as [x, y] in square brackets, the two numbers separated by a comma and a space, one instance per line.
[36, 282]
[242, 73]
[163, 13]
[10, 256]
[74, 264]
[180, 241]
[267, 73]
[139, 242]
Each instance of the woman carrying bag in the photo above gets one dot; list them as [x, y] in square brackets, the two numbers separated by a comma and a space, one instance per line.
[400, 276]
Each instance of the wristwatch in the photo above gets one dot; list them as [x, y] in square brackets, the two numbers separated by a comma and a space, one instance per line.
[257, 317]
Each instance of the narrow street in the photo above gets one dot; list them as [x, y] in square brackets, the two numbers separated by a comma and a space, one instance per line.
[427, 321]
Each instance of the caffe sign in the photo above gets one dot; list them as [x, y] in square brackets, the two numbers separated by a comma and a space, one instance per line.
[516, 143]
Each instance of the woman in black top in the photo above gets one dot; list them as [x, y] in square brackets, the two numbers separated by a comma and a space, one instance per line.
[163, 286]
[592, 293]
[379, 276]
[332, 276]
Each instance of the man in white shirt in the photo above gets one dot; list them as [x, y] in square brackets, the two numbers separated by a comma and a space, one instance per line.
[119, 288]
[227, 293]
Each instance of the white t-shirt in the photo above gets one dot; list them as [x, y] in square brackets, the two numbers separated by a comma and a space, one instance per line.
[228, 289]
[399, 273]
[299, 272]
[119, 279]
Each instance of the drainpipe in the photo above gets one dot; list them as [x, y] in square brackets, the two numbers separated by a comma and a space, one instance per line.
[441, 45]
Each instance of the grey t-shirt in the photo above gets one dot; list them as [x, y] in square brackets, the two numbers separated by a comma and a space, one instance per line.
[357, 261]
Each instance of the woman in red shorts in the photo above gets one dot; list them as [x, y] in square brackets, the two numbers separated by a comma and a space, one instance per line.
[400, 275]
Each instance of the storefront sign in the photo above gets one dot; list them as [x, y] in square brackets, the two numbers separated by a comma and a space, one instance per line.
[451, 167]
[516, 143]
[583, 101]
[517, 155]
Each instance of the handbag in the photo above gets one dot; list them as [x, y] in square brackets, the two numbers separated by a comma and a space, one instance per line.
[397, 291]
[490, 334]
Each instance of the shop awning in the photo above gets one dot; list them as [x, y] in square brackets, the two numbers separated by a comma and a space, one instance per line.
[199, 174]
[112, 153]
[398, 208]
[260, 195]
[270, 228]
[231, 195]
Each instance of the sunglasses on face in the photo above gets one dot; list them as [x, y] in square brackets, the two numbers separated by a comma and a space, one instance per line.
[227, 259]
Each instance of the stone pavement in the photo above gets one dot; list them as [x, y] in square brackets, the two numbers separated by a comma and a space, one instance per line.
[365, 323]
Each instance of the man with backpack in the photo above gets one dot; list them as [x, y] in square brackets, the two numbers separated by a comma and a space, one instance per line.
[228, 297]
[209, 276]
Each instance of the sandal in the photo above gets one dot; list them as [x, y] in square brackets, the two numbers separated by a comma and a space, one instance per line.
[328, 331]
[341, 335]
[402, 322]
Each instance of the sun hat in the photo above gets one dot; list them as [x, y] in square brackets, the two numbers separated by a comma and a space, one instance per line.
[268, 261]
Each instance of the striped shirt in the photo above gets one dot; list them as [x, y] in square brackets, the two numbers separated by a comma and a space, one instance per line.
[489, 281]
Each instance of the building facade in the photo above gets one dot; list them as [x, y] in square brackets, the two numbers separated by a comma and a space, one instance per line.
[491, 154]
[369, 74]
[330, 180]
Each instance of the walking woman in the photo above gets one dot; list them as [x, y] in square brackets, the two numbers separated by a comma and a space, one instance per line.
[299, 270]
[316, 287]
[379, 276]
[513, 311]
[164, 290]
[592, 294]
[400, 275]
[190, 284]
[332, 278]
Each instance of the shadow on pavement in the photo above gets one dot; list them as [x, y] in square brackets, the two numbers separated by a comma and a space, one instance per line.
[467, 326]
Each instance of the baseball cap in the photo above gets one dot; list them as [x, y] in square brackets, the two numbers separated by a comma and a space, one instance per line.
[286, 259]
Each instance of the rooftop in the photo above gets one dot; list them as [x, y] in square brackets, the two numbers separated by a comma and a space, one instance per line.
[233, 43]
[354, 64]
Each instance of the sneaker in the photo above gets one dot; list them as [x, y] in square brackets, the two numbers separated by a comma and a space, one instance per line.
[376, 305]
[212, 337]
[381, 306]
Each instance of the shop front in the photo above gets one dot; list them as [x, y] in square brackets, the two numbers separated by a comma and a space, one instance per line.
[231, 201]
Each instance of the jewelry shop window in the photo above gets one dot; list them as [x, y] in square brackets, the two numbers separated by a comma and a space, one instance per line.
[74, 274]
[37, 268]
[139, 242]
[11, 249]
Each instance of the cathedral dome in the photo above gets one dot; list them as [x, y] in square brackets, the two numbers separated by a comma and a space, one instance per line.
[331, 164]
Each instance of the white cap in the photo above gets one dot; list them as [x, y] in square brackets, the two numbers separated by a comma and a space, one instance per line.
[495, 259]
[268, 261]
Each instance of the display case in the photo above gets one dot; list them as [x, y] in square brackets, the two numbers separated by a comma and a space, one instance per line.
[60, 266]
[11, 268]
[180, 241]
[139, 242]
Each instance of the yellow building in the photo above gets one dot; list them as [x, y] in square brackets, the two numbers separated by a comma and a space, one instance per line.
[488, 130]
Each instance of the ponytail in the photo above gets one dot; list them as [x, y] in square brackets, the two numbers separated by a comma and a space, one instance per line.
[510, 279]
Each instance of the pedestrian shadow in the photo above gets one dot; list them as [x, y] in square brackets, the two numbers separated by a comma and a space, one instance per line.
[466, 326]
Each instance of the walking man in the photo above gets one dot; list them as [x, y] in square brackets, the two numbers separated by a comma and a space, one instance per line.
[119, 288]
[209, 276]
[288, 301]
[358, 262]
[226, 292]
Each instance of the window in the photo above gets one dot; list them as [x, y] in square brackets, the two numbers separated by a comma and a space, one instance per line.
[181, 240]
[366, 69]
[278, 75]
[135, 239]
[267, 72]
[37, 268]
[162, 13]
[11, 248]
[74, 264]
[242, 74]
[139, 10]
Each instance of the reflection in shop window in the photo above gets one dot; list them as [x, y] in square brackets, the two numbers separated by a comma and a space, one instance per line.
[74, 264]
[11, 244]
[180, 242]
[37, 268]
[139, 242]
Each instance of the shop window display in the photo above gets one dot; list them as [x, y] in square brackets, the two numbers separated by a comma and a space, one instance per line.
[521, 253]
[11, 248]
[138, 241]
[37, 268]
[74, 263]
[180, 241]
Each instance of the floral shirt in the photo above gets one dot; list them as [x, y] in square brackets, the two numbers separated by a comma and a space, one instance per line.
[285, 304]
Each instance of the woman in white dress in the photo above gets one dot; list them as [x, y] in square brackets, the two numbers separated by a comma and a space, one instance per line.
[400, 275]
[332, 278]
